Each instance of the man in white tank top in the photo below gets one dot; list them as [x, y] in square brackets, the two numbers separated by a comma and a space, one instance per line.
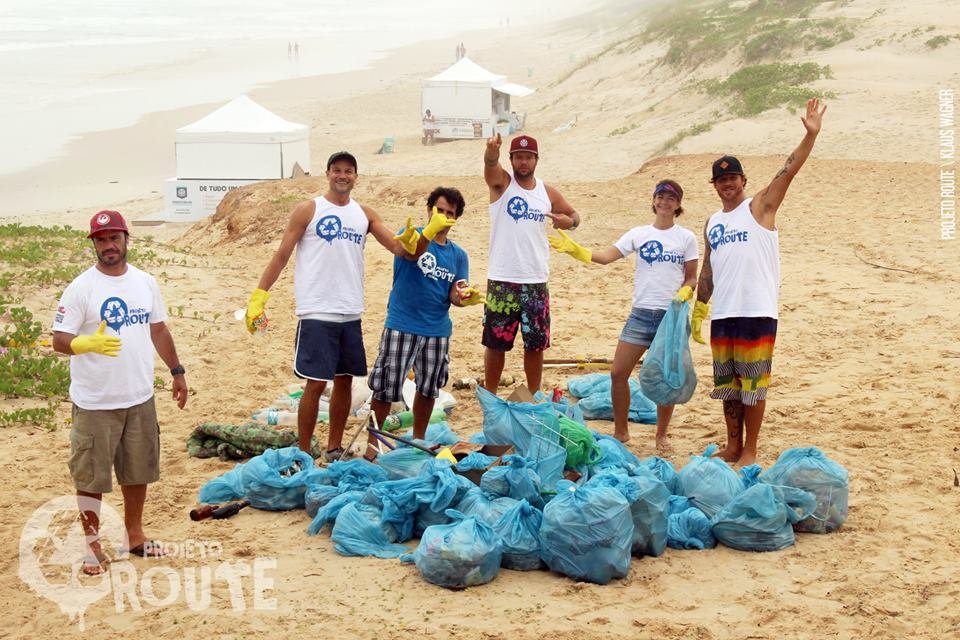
[521, 205]
[741, 266]
[329, 234]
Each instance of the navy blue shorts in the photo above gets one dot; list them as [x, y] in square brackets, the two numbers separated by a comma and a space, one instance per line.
[327, 349]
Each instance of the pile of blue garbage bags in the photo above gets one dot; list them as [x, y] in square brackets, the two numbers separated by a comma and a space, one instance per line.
[526, 516]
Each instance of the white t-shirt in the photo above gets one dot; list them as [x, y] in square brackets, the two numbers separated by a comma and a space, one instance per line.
[745, 259]
[519, 251]
[661, 256]
[130, 304]
[328, 272]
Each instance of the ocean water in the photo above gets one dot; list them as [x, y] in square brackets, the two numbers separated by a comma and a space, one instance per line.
[73, 66]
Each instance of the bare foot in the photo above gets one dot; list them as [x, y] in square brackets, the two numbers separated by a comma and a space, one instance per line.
[622, 436]
[746, 459]
[94, 563]
[727, 455]
[663, 446]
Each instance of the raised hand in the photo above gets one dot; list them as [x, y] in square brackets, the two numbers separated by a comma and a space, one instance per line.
[409, 237]
[814, 116]
[438, 222]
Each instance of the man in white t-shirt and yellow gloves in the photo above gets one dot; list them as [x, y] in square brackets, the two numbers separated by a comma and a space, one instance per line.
[741, 271]
[518, 298]
[110, 319]
[329, 233]
[666, 270]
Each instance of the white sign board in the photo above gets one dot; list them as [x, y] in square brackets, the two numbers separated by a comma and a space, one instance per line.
[191, 200]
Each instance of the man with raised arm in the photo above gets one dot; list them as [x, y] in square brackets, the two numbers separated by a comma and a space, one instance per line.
[521, 205]
[741, 272]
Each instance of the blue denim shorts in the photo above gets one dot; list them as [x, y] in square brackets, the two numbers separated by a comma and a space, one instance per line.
[642, 326]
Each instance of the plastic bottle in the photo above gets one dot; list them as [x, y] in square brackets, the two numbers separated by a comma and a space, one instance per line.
[404, 419]
[259, 323]
[284, 418]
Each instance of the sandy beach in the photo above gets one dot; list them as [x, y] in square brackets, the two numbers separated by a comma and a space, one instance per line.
[866, 366]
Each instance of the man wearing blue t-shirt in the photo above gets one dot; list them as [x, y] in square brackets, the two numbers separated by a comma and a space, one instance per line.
[416, 334]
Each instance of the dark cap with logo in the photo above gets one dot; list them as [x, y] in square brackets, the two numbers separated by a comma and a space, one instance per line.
[107, 220]
[342, 155]
[725, 165]
[524, 143]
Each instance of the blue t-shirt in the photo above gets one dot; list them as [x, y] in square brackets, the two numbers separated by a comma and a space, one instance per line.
[420, 298]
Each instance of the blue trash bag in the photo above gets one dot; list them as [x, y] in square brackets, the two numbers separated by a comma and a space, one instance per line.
[477, 503]
[667, 375]
[317, 496]
[808, 468]
[750, 475]
[664, 470]
[761, 518]
[597, 404]
[403, 462]
[348, 475]
[649, 502]
[475, 461]
[360, 531]
[516, 479]
[615, 455]
[464, 553]
[327, 514]
[532, 429]
[690, 529]
[437, 486]
[587, 533]
[224, 488]
[709, 482]
[427, 517]
[437, 433]
[519, 531]
[477, 438]
[678, 504]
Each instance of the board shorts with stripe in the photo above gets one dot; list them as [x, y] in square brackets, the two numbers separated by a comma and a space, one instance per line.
[742, 358]
[125, 441]
[512, 306]
[326, 349]
[428, 356]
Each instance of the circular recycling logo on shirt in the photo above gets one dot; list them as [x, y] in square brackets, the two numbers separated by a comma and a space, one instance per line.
[328, 228]
[651, 251]
[114, 311]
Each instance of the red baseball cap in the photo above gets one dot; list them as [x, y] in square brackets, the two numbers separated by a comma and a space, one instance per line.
[107, 220]
[524, 143]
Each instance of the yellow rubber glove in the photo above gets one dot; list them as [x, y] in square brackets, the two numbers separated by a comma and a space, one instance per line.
[438, 222]
[700, 312]
[409, 237]
[566, 244]
[97, 342]
[471, 296]
[684, 294]
[255, 308]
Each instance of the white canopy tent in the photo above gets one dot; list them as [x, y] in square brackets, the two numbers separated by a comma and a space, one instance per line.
[467, 101]
[239, 143]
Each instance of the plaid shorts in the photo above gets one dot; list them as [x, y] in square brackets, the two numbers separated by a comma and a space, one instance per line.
[742, 358]
[428, 356]
[512, 306]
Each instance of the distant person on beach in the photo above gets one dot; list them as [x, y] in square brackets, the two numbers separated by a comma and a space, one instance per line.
[329, 234]
[518, 298]
[741, 272]
[429, 127]
[666, 270]
[296, 50]
[289, 51]
[110, 320]
[416, 333]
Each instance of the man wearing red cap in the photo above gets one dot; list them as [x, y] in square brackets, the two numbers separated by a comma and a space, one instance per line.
[110, 319]
[521, 205]
[741, 271]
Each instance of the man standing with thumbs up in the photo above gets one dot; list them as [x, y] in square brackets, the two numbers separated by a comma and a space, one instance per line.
[111, 319]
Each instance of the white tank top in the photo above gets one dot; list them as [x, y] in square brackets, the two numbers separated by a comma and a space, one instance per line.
[745, 259]
[328, 273]
[519, 251]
